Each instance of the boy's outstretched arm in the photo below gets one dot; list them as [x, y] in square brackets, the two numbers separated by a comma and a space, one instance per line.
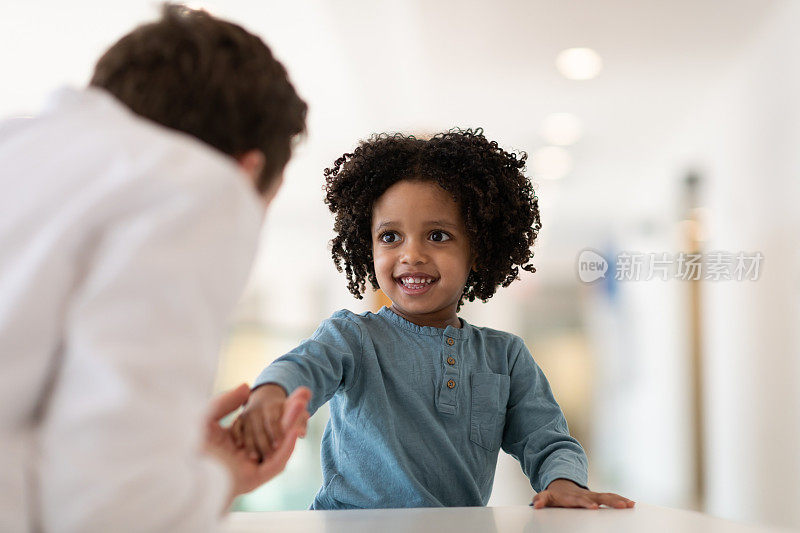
[324, 363]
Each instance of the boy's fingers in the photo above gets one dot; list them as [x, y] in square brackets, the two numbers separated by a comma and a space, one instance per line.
[591, 500]
[588, 503]
[250, 443]
[272, 427]
[261, 437]
[541, 499]
[569, 500]
[613, 500]
[236, 432]
[580, 500]
[592, 503]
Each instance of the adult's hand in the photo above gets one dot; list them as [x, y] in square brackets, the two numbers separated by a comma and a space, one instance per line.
[247, 474]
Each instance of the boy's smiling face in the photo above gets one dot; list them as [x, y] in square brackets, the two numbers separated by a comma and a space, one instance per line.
[421, 252]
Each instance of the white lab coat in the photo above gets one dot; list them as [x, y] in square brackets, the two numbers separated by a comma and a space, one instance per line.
[123, 248]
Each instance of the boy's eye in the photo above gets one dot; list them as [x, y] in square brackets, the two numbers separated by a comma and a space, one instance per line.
[389, 237]
[439, 236]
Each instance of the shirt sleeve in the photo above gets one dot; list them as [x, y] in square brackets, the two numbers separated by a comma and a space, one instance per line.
[323, 363]
[536, 432]
[122, 434]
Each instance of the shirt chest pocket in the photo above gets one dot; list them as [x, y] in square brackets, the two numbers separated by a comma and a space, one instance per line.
[488, 409]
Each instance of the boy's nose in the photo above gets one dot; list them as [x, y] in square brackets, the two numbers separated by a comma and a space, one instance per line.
[412, 254]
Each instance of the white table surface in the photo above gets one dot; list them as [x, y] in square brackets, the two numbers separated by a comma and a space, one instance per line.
[641, 519]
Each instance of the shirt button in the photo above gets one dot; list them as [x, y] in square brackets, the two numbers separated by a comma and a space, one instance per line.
[451, 361]
[451, 384]
[450, 341]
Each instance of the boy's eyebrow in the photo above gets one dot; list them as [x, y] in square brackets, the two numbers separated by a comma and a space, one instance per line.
[387, 223]
[384, 224]
[441, 223]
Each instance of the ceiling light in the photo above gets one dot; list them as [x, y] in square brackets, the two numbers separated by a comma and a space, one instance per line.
[579, 63]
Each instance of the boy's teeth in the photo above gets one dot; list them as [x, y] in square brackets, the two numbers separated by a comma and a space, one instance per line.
[416, 281]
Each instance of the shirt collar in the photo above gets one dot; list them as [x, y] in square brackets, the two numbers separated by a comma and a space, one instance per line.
[449, 331]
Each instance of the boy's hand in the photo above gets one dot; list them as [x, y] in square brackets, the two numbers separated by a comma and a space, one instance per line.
[246, 474]
[266, 418]
[565, 493]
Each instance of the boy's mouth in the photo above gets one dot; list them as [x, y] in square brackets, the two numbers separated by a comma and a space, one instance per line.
[415, 284]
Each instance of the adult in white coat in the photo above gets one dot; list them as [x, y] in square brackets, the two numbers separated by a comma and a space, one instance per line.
[129, 217]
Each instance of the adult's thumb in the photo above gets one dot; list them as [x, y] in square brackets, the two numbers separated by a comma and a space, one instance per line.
[228, 401]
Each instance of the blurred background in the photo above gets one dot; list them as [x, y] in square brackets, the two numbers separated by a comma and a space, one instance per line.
[656, 132]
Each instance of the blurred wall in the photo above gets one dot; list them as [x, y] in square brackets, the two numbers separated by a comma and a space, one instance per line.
[745, 143]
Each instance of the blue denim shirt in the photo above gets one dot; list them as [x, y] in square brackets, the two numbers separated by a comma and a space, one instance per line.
[418, 414]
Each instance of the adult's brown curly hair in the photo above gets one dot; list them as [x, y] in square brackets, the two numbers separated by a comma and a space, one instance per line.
[497, 202]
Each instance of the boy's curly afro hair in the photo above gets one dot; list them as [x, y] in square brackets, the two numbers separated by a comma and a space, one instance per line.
[498, 204]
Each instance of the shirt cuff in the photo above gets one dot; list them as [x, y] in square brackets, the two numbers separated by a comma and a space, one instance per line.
[280, 375]
[566, 469]
[577, 479]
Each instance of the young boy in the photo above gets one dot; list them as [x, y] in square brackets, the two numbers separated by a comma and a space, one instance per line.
[421, 401]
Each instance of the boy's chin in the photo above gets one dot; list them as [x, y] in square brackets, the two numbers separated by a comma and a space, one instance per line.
[416, 308]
